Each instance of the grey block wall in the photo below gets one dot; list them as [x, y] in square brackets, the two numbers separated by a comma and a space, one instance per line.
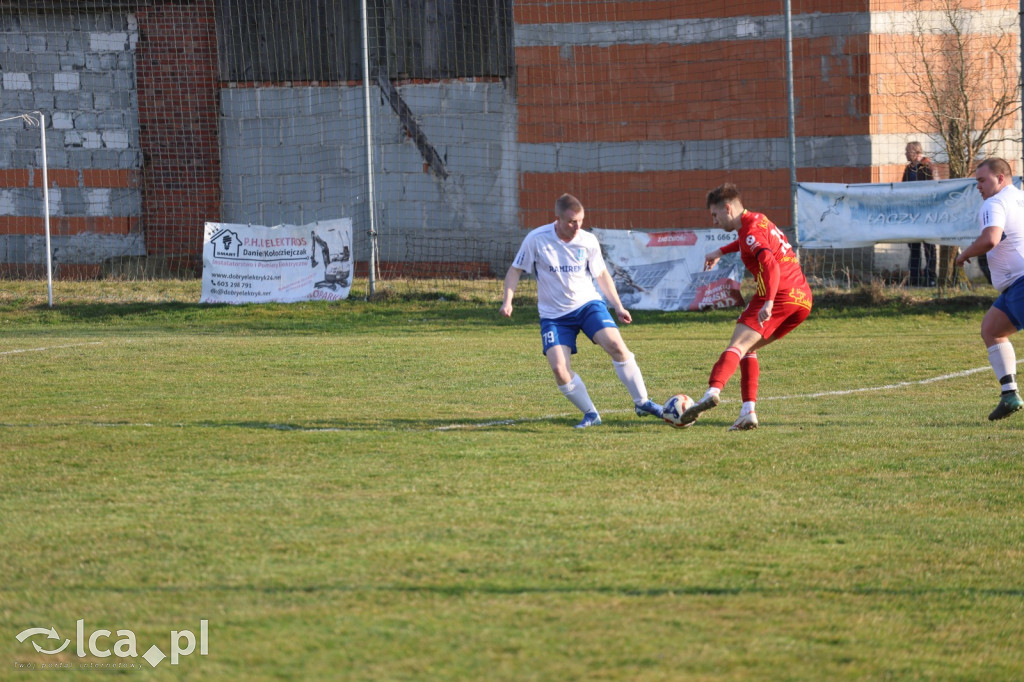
[296, 155]
[79, 71]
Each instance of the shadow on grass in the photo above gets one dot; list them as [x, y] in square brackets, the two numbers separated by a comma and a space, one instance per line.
[611, 424]
[429, 309]
[469, 589]
[426, 425]
[303, 317]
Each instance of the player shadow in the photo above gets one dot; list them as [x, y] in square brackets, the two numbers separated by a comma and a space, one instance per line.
[396, 425]
[527, 424]
[286, 317]
[472, 588]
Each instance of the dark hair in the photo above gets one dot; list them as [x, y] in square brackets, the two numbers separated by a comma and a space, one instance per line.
[723, 193]
[567, 202]
[996, 165]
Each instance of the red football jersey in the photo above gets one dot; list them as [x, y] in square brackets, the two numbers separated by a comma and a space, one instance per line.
[760, 242]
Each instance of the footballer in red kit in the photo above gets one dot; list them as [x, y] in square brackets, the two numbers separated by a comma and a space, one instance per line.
[776, 270]
[782, 301]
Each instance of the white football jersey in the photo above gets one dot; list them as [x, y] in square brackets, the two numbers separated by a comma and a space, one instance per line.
[565, 271]
[1006, 260]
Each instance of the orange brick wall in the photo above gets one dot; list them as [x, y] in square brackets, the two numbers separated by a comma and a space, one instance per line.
[552, 11]
[731, 90]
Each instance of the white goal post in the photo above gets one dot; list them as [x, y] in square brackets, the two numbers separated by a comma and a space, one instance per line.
[33, 119]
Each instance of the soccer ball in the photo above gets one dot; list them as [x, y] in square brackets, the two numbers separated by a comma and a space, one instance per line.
[674, 409]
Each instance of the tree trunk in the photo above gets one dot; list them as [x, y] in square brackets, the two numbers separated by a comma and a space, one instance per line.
[949, 275]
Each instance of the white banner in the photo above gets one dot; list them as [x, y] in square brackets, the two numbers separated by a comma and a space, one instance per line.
[282, 264]
[664, 270]
[838, 216]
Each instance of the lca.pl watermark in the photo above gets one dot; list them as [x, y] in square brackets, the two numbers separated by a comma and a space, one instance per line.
[183, 643]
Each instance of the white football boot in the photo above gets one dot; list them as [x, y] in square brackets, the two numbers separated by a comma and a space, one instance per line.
[745, 422]
[703, 405]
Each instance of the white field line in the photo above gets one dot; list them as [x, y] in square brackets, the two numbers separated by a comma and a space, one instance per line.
[822, 394]
[549, 417]
[46, 348]
[887, 387]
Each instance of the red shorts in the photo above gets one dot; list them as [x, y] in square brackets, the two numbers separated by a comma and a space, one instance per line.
[792, 306]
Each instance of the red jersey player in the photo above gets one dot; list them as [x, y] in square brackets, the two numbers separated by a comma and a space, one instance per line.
[781, 303]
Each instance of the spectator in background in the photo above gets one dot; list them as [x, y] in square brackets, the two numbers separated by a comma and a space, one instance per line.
[919, 167]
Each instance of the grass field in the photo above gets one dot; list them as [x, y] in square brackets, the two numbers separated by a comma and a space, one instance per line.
[391, 491]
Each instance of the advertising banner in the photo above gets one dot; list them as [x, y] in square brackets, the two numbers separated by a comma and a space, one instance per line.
[664, 270]
[282, 264]
[838, 216]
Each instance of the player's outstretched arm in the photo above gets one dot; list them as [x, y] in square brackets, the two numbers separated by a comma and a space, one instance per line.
[711, 259]
[511, 282]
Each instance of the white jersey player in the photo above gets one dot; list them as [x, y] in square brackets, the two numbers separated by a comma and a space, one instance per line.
[1002, 237]
[567, 262]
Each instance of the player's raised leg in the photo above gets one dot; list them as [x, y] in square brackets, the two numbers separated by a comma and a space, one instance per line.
[743, 339]
[628, 371]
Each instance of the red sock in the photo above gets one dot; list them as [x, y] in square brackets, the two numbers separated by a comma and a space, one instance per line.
[749, 373]
[725, 367]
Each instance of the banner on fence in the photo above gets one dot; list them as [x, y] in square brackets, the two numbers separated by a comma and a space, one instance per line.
[664, 270]
[838, 216]
[282, 264]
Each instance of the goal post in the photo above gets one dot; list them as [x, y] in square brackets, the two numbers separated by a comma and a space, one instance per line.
[37, 119]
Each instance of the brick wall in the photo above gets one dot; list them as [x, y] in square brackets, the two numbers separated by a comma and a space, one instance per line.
[637, 107]
[178, 108]
[640, 107]
[79, 71]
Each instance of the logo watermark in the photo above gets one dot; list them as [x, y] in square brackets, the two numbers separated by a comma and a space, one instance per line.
[102, 644]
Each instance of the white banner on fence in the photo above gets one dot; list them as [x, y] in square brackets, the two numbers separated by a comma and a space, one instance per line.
[664, 270]
[838, 216]
[282, 264]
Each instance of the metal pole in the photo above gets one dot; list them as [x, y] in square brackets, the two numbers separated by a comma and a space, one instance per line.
[369, 151]
[46, 211]
[792, 119]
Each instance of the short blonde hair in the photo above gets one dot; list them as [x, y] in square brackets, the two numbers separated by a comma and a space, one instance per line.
[567, 202]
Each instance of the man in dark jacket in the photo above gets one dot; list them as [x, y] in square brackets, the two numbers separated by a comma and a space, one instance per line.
[919, 167]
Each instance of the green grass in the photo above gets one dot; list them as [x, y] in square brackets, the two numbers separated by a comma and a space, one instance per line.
[291, 474]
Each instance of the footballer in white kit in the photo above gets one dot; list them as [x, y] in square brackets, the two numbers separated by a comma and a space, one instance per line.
[567, 263]
[1001, 220]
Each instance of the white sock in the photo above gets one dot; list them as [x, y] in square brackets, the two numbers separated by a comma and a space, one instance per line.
[577, 394]
[1004, 364]
[632, 379]
[712, 392]
[748, 407]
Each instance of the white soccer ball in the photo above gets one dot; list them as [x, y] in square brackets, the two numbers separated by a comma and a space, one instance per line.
[674, 408]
